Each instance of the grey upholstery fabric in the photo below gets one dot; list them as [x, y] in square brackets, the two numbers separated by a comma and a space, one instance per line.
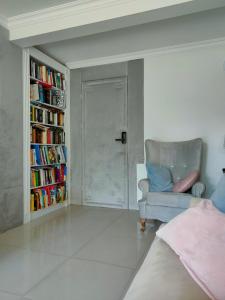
[198, 189]
[144, 186]
[163, 206]
[166, 199]
[181, 158]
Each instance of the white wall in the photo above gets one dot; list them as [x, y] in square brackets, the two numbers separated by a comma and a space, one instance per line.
[184, 99]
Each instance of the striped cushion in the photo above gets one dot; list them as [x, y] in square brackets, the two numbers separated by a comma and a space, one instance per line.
[186, 183]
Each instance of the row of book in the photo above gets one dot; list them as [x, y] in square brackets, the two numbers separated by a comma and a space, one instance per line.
[46, 116]
[44, 135]
[46, 95]
[48, 175]
[46, 74]
[48, 196]
[46, 155]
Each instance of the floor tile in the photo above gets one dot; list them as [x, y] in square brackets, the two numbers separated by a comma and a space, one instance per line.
[63, 235]
[83, 280]
[128, 226]
[6, 296]
[88, 219]
[92, 252]
[121, 251]
[97, 216]
[63, 244]
[52, 239]
[21, 269]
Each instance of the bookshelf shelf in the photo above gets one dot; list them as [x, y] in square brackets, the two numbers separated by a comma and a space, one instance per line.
[45, 84]
[45, 185]
[47, 144]
[47, 125]
[36, 103]
[42, 212]
[47, 134]
[47, 165]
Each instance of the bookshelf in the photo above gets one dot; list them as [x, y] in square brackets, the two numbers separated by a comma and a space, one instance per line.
[46, 134]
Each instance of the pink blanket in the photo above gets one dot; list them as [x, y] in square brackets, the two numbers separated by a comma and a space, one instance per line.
[198, 238]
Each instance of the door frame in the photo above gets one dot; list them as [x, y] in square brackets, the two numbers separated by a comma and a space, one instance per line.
[84, 84]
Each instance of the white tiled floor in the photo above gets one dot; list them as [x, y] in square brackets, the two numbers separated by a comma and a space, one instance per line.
[78, 253]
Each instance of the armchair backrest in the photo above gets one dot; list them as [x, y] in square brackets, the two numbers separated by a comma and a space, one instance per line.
[180, 157]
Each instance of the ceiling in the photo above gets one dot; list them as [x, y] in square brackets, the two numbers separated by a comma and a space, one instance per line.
[183, 32]
[74, 31]
[11, 8]
[35, 22]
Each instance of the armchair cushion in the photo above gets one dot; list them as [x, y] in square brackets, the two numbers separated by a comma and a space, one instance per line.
[197, 190]
[165, 199]
[185, 184]
[165, 206]
[160, 178]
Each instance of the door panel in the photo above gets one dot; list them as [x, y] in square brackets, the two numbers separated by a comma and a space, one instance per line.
[105, 160]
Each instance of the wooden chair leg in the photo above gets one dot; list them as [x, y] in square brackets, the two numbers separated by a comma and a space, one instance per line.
[143, 223]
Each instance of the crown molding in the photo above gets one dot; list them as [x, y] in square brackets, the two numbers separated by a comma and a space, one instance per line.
[143, 54]
[4, 22]
[79, 13]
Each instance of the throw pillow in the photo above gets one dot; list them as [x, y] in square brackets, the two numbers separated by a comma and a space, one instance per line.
[186, 183]
[160, 178]
[197, 237]
[218, 197]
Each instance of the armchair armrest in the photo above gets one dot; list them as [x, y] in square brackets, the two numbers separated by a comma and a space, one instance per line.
[143, 185]
[198, 189]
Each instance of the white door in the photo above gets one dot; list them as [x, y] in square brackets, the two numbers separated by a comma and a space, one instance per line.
[105, 159]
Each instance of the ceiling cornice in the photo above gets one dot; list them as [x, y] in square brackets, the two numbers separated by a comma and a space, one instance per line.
[144, 53]
[4, 22]
[79, 13]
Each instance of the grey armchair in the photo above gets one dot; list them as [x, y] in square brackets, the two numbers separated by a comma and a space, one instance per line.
[181, 158]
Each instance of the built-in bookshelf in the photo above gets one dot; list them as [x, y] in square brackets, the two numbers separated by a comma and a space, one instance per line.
[47, 140]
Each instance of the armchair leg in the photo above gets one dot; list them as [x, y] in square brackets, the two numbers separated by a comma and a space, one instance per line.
[143, 223]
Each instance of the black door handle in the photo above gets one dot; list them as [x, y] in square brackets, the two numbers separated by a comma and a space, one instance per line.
[123, 138]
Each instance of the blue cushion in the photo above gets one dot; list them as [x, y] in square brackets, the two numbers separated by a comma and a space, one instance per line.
[160, 178]
[218, 197]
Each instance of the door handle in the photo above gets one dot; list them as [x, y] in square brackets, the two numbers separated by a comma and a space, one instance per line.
[123, 138]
